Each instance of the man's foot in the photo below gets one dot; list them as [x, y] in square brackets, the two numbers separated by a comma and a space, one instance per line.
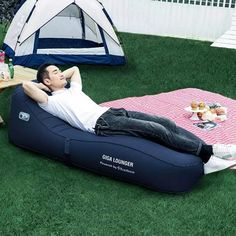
[224, 151]
[217, 164]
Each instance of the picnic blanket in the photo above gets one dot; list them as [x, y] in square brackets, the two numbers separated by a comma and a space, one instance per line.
[172, 104]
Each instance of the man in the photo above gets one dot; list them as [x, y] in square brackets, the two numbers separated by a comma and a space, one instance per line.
[76, 108]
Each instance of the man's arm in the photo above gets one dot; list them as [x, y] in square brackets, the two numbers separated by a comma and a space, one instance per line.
[73, 74]
[35, 91]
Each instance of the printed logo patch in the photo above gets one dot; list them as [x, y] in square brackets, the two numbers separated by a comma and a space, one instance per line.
[24, 116]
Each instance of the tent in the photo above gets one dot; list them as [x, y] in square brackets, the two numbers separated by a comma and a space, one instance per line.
[62, 32]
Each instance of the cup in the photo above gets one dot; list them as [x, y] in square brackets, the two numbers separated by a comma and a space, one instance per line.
[4, 76]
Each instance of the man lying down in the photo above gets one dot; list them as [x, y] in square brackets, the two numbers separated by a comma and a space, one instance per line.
[80, 111]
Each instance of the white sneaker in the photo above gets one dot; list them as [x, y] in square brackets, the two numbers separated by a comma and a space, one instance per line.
[217, 164]
[224, 151]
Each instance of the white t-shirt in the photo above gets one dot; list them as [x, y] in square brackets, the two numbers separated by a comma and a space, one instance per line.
[75, 107]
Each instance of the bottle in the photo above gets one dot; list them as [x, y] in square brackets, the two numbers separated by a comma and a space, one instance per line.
[11, 69]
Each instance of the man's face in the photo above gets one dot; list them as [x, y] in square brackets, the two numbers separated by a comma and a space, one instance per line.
[56, 78]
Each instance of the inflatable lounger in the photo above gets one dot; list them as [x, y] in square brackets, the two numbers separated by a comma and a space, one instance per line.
[131, 159]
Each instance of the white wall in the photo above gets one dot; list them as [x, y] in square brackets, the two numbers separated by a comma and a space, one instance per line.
[170, 18]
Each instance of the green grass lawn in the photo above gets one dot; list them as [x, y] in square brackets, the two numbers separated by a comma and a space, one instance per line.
[39, 196]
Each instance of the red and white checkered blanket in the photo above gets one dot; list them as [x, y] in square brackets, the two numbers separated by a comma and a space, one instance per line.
[172, 104]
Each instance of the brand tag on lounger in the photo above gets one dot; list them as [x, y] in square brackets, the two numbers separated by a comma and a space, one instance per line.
[24, 116]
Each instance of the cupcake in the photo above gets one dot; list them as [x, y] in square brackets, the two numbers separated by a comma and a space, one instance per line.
[201, 106]
[194, 105]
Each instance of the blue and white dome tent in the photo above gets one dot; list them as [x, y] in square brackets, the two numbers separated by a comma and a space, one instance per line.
[62, 32]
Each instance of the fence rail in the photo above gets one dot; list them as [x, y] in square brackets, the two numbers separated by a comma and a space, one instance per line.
[214, 3]
[193, 19]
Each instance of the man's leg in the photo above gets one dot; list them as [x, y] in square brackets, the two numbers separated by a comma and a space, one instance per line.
[205, 151]
[157, 129]
[223, 151]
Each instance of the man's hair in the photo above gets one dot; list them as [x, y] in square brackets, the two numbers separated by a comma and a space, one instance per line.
[43, 72]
